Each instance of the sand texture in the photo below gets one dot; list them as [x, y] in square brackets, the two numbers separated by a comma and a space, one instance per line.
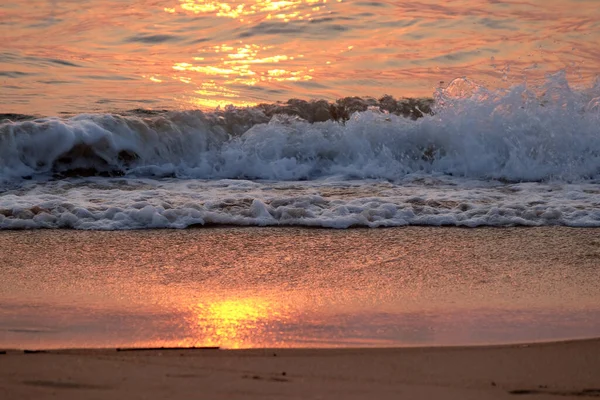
[295, 287]
[538, 371]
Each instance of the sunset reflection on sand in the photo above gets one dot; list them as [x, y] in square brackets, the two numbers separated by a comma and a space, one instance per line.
[290, 287]
[235, 322]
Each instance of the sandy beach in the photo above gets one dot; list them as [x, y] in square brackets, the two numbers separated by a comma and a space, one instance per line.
[538, 371]
[299, 199]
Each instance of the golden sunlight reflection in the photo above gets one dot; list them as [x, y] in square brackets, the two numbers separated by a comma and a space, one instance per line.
[234, 323]
[237, 9]
[223, 67]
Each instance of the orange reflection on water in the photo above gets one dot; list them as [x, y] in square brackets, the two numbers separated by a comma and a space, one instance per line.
[242, 64]
[238, 8]
[292, 287]
[351, 48]
[235, 322]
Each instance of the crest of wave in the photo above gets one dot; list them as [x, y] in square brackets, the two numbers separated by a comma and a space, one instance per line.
[550, 132]
[523, 133]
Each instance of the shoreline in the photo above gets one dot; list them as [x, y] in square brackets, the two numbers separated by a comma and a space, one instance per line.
[140, 349]
[543, 370]
[211, 225]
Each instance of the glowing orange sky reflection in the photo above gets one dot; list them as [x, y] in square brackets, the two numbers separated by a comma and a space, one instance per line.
[181, 54]
[241, 64]
[292, 287]
[237, 9]
[234, 322]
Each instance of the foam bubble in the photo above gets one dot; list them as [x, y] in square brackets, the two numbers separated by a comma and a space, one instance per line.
[117, 203]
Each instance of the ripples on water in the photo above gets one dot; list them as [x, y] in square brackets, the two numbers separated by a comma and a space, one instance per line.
[73, 56]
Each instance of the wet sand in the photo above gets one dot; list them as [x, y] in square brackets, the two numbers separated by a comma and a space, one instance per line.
[537, 371]
[296, 287]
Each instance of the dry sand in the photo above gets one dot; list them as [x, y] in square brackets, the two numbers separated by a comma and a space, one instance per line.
[538, 371]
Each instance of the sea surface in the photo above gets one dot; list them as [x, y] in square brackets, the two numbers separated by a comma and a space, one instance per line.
[79, 56]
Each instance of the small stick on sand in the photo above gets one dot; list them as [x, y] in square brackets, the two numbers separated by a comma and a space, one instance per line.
[167, 348]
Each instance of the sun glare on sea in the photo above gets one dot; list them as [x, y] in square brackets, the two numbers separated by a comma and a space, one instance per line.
[217, 70]
[285, 10]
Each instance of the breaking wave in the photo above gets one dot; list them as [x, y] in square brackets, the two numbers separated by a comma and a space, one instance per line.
[468, 157]
[516, 135]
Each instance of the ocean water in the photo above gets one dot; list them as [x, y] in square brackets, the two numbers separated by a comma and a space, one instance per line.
[73, 56]
[172, 114]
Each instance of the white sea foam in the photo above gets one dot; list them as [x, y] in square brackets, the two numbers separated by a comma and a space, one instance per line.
[117, 203]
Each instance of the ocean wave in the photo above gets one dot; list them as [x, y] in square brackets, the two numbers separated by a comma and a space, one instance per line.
[514, 135]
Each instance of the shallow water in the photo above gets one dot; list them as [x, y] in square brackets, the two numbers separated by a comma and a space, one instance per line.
[71, 56]
[289, 287]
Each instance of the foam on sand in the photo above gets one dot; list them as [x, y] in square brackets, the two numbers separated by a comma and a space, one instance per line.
[118, 203]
